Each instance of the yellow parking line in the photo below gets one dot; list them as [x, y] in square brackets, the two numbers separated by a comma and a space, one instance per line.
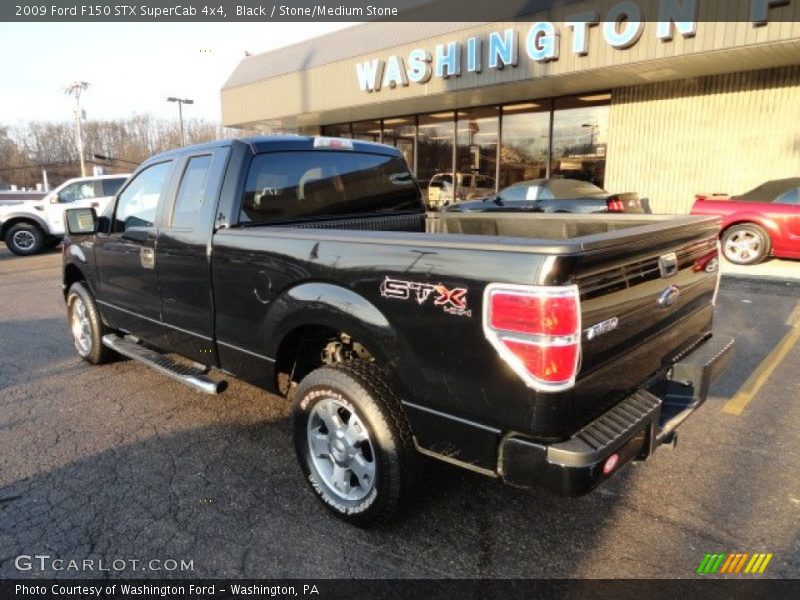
[754, 383]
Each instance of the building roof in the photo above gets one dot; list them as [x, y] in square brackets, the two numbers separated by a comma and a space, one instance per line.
[332, 47]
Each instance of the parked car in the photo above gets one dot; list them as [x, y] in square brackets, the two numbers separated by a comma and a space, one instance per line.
[308, 266]
[762, 222]
[440, 188]
[553, 196]
[30, 227]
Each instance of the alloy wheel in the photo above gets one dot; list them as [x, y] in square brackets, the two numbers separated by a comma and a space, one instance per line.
[341, 450]
[23, 240]
[743, 246]
[81, 327]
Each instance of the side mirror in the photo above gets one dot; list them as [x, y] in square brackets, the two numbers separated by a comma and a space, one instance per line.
[81, 221]
[54, 199]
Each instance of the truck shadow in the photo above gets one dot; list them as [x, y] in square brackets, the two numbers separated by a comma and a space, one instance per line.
[6, 254]
[230, 497]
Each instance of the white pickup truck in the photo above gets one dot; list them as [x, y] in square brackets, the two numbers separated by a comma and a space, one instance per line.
[28, 227]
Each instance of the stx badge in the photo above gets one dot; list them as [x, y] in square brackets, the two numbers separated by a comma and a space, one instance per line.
[453, 301]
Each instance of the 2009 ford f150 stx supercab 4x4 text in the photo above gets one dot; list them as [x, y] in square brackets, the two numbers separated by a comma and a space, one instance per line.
[546, 350]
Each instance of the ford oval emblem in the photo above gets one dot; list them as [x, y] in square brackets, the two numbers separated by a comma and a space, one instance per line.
[669, 296]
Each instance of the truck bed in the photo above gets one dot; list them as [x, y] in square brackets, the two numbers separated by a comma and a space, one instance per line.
[539, 233]
[614, 260]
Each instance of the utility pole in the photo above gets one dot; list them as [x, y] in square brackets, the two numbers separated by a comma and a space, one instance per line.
[76, 89]
[181, 102]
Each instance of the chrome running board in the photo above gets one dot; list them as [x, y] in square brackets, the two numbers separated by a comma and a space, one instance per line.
[193, 376]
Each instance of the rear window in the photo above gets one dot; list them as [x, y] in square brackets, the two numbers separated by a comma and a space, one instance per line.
[573, 188]
[290, 186]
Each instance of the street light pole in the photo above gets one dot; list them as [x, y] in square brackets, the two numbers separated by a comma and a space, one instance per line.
[181, 102]
[75, 89]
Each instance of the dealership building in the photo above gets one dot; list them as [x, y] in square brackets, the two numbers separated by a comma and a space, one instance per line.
[647, 96]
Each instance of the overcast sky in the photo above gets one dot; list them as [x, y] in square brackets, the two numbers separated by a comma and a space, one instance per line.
[131, 67]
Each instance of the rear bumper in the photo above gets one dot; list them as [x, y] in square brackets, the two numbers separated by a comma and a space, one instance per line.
[631, 430]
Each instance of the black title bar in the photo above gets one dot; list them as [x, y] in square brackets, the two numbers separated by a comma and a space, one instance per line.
[326, 589]
[370, 10]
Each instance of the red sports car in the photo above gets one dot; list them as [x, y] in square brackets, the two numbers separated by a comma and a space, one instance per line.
[763, 222]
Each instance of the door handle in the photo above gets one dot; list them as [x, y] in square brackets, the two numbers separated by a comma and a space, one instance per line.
[148, 258]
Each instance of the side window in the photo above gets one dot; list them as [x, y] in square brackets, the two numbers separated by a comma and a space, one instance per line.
[515, 193]
[791, 197]
[138, 203]
[533, 192]
[111, 186]
[77, 191]
[191, 193]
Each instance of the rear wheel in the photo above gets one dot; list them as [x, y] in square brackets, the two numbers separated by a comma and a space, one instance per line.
[86, 325]
[745, 244]
[24, 239]
[353, 442]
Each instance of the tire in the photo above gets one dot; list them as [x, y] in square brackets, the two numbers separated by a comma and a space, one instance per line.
[364, 474]
[746, 244]
[86, 326]
[25, 239]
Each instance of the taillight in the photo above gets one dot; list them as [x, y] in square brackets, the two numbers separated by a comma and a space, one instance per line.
[536, 330]
[615, 204]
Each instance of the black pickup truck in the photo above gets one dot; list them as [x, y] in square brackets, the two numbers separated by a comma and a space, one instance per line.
[546, 350]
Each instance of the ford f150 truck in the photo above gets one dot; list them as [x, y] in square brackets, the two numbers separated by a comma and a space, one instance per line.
[28, 227]
[545, 350]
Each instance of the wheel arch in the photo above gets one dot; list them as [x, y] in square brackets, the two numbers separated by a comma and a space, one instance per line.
[769, 226]
[311, 314]
[73, 274]
[16, 218]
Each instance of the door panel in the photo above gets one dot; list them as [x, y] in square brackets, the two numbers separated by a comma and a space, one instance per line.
[182, 257]
[129, 294]
[784, 211]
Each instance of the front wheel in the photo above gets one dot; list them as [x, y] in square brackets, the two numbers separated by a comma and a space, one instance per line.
[86, 325]
[24, 239]
[353, 442]
[745, 244]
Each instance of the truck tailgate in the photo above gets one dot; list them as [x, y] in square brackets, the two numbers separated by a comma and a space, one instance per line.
[644, 304]
[647, 285]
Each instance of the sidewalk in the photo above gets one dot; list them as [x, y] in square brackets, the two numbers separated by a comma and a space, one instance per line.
[775, 269]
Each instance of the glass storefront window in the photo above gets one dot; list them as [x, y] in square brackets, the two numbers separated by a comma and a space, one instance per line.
[580, 137]
[435, 160]
[369, 131]
[526, 142]
[574, 147]
[342, 130]
[476, 158]
[400, 133]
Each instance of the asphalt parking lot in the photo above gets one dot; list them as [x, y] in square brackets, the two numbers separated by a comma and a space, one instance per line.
[119, 462]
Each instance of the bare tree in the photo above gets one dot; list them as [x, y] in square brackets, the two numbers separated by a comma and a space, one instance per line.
[124, 142]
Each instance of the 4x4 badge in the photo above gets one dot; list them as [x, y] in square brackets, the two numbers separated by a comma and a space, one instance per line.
[453, 301]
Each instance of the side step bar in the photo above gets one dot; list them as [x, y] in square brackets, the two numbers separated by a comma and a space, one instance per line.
[194, 377]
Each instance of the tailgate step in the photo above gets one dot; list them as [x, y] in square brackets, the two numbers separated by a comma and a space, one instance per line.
[610, 430]
[193, 376]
